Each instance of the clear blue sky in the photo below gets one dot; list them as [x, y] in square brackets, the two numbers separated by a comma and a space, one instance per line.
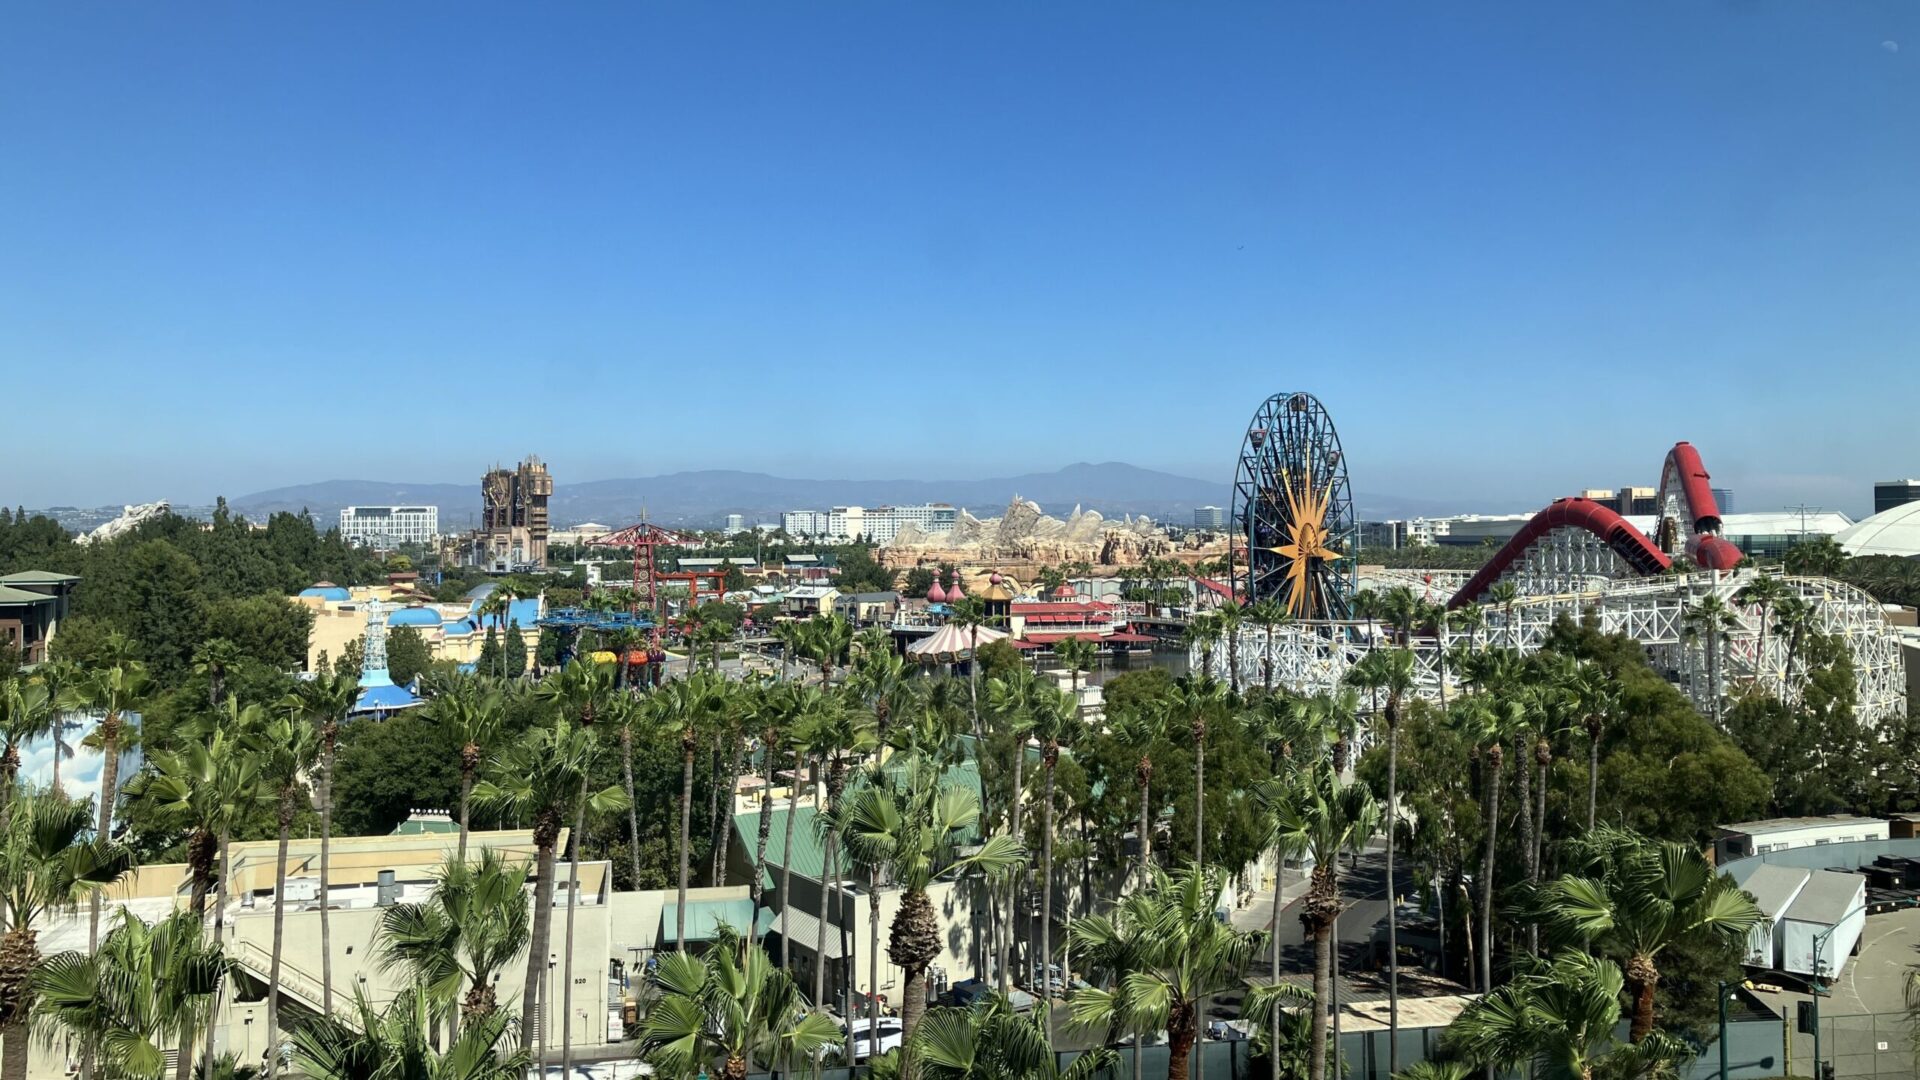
[1518, 248]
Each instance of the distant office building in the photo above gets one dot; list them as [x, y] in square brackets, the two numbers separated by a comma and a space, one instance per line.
[1209, 517]
[1471, 530]
[879, 524]
[1639, 500]
[389, 526]
[1606, 497]
[1888, 494]
[1383, 535]
[1723, 499]
[736, 523]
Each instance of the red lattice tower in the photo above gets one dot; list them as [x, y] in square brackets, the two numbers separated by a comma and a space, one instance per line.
[643, 538]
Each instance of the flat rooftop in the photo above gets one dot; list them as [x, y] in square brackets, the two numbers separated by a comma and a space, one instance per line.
[1794, 824]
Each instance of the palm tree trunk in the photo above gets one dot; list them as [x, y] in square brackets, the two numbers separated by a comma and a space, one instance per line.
[1486, 868]
[1544, 763]
[1018, 804]
[1145, 770]
[1322, 997]
[1593, 772]
[723, 840]
[633, 813]
[756, 888]
[542, 937]
[1199, 794]
[466, 798]
[219, 921]
[786, 865]
[873, 964]
[820, 938]
[1273, 959]
[1393, 885]
[573, 901]
[1046, 893]
[279, 931]
[327, 846]
[1644, 979]
[1523, 776]
[109, 794]
[1182, 1029]
[686, 835]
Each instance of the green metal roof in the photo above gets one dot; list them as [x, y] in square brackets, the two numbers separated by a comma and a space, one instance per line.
[11, 596]
[36, 577]
[427, 827]
[704, 918]
[809, 855]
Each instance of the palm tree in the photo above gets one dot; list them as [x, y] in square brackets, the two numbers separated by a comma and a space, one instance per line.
[1390, 672]
[24, 708]
[1764, 592]
[1139, 729]
[1056, 720]
[1161, 952]
[1711, 619]
[50, 859]
[473, 925]
[679, 707]
[1203, 632]
[1320, 817]
[733, 1004]
[326, 702]
[1228, 616]
[540, 777]
[1485, 725]
[470, 708]
[624, 713]
[1559, 1018]
[111, 691]
[837, 732]
[215, 658]
[913, 823]
[1199, 699]
[1794, 617]
[1506, 593]
[825, 640]
[287, 745]
[397, 1044]
[992, 1043]
[1638, 896]
[1078, 655]
[65, 682]
[148, 987]
[1269, 615]
[1597, 696]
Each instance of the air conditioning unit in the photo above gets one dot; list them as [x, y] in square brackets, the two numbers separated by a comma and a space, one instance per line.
[304, 890]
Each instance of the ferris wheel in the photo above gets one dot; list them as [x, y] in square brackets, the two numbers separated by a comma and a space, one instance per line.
[1295, 534]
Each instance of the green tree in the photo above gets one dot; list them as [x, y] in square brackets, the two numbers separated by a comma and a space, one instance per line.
[1559, 1018]
[514, 652]
[50, 858]
[1634, 898]
[1161, 952]
[914, 823]
[992, 1043]
[733, 1005]
[147, 988]
[540, 778]
[288, 746]
[396, 1043]
[407, 654]
[474, 924]
[1319, 817]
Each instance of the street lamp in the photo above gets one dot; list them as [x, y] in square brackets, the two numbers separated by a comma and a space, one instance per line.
[1819, 984]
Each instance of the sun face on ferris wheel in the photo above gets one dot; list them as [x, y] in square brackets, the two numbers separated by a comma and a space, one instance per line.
[1309, 541]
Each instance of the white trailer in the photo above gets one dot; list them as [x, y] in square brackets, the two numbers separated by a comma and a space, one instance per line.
[1738, 841]
[1831, 909]
[1774, 889]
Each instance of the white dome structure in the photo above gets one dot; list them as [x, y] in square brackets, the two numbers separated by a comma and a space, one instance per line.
[1895, 531]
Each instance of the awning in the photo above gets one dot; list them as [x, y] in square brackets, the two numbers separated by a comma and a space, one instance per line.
[804, 931]
[1129, 636]
[1049, 639]
[705, 917]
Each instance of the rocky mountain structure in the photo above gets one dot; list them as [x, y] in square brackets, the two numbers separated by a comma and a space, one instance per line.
[1024, 533]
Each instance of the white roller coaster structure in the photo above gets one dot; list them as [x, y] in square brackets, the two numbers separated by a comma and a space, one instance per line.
[1308, 657]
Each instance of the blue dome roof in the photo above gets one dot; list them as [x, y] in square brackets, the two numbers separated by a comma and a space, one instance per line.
[414, 616]
[328, 592]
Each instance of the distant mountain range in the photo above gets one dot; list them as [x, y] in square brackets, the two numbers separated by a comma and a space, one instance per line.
[704, 498]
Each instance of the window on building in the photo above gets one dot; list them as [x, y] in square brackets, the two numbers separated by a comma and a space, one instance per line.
[1823, 841]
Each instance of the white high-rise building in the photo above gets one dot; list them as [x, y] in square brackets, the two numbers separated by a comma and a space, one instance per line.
[879, 524]
[736, 523]
[389, 526]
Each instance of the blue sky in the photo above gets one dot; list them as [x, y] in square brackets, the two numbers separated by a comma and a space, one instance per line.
[1517, 248]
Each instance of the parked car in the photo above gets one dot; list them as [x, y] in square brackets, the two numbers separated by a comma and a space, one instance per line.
[891, 1032]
